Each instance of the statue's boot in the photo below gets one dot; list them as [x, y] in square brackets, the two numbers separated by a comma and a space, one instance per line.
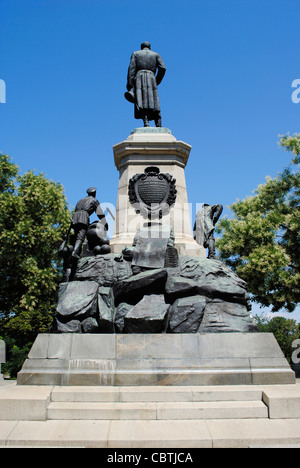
[158, 123]
[76, 251]
[146, 121]
[211, 249]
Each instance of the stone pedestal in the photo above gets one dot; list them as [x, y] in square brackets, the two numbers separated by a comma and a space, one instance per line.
[156, 359]
[147, 147]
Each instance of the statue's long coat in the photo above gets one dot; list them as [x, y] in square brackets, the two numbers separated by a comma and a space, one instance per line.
[206, 219]
[141, 77]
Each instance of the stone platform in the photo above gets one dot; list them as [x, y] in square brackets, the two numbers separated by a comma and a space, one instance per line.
[156, 360]
[214, 390]
[153, 417]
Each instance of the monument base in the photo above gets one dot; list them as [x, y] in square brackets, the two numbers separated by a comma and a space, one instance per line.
[156, 359]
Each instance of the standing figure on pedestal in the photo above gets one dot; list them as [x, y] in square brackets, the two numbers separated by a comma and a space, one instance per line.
[81, 219]
[142, 80]
[204, 227]
[65, 252]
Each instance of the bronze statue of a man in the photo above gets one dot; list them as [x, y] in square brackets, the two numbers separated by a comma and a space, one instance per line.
[143, 80]
[81, 218]
[204, 227]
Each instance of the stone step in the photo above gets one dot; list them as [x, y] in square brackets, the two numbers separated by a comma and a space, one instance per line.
[157, 411]
[156, 394]
[218, 433]
[31, 402]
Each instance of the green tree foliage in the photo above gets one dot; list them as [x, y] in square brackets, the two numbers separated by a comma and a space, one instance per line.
[292, 143]
[15, 356]
[33, 219]
[261, 242]
[286, 331]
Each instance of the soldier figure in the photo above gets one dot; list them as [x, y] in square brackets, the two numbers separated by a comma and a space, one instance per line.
[81, 219]
[142, 80]
[204, 227]
[65, 252]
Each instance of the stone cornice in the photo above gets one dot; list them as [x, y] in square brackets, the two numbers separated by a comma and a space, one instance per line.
[169, 151]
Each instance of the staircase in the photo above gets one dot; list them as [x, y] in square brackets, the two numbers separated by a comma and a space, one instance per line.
[159, 417]
[155, 403]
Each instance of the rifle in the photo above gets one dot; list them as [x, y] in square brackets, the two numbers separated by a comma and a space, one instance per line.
[63, 245]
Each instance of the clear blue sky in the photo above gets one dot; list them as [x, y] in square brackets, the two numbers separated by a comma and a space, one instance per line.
[227, 90]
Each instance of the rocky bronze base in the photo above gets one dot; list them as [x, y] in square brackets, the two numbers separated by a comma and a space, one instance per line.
[156, 359]
[197, 296]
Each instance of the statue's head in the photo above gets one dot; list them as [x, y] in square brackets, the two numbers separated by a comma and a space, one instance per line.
[145, 45]
[91, 191]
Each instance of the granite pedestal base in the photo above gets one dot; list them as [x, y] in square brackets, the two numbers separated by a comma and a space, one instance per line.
[156, 359]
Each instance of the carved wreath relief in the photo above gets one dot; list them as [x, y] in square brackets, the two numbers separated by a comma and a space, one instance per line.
[152, 193]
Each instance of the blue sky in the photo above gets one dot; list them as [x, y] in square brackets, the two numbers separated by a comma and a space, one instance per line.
[227, 90]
